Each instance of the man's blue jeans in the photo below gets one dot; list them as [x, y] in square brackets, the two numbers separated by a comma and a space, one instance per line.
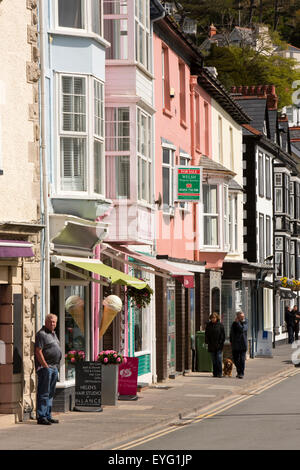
[216, 358]
[47, 378]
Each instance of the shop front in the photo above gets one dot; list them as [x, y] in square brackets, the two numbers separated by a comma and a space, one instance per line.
[73, 282]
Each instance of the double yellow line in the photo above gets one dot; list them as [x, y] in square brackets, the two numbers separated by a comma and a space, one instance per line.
[209, 414]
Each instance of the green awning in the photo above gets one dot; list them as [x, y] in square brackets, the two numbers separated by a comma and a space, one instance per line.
[97, 267]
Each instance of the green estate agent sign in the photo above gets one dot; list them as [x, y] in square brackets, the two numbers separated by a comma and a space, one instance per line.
[189, 180]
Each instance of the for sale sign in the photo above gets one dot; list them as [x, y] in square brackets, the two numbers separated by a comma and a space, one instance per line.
[189, 182]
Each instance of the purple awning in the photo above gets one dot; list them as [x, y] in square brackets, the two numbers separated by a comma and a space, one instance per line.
[15, 249]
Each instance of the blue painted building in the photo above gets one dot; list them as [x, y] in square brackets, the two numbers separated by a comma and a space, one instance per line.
[73, 167]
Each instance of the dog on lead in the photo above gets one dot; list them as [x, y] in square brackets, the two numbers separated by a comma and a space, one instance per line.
[227, 369]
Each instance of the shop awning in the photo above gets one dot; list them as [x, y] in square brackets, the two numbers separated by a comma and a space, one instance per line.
[97, 267]
[161, 268]
[15, 249]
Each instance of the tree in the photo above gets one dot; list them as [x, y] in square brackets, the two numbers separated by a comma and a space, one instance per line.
[238, 66]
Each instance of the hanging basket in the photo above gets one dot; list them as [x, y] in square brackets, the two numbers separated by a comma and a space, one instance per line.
[139, 298]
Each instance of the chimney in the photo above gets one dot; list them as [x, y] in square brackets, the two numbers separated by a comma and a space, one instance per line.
[257, 91]
[212, 31]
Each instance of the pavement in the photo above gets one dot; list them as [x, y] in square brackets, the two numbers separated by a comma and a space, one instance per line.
[158, 406]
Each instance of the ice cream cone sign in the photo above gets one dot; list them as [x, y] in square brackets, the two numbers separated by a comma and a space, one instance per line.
[112, 306]
[75, 306]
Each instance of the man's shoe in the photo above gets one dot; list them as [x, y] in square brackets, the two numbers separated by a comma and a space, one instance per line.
[240, 376]
[43, 421]
[53, 421]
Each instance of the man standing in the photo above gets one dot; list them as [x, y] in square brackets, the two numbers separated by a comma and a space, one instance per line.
[48, 355]
[289, 318]
[296, 322]
[238, 340]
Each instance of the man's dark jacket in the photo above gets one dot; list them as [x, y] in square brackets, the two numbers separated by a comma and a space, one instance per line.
[238, 336]
[214, 336]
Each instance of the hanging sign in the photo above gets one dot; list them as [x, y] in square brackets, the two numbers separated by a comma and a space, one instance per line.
[189, 183]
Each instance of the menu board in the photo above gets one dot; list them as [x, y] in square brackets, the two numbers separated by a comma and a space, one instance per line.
[88, 386]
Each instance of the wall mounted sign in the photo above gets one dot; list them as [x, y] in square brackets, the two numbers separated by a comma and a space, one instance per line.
[189, 183]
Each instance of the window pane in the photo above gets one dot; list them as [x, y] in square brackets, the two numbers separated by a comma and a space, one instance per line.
[73, 157]
[73, 104]
[98, 108]
[74, 324]
[96, 16]
[166, 156]
[70, 13]
[166, 187]
[98, 159]
[210, 230]
[115, 7]
[116, 32]
[117, 129]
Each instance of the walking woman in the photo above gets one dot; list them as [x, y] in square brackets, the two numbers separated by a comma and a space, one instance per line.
[215, 338]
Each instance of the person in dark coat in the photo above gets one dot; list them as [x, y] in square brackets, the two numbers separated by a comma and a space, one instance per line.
[296, 322]
[215, 338]
[239, 345]
[289, 318]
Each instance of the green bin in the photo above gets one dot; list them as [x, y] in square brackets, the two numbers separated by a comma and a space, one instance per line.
[203, 357]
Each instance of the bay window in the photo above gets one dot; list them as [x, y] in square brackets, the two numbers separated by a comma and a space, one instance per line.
[81, 135]
[117, 125]
[210, 215]
[85, 15]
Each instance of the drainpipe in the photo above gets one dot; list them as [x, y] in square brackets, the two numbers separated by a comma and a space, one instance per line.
[44, 188]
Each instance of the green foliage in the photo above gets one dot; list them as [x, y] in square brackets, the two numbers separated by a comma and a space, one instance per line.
[244, 66]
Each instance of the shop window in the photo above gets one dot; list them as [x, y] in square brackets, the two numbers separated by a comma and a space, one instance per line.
[215, 300]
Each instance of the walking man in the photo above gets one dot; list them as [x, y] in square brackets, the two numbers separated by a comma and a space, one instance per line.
[48, 355]
[238, 340]
[215, 338]
[296, 322]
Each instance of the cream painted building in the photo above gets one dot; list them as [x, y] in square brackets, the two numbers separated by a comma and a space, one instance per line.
[227, 150]
[20, 224]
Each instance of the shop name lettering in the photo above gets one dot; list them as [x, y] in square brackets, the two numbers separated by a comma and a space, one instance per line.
[156, 459]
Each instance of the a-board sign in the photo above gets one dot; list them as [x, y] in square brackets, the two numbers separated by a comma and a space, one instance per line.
[88, 386]
[128, 377]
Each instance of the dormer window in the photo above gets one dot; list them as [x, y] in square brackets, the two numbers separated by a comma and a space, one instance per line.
[265, 128]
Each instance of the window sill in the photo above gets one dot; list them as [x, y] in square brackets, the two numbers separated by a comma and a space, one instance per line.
[82, 34]
[167, 113]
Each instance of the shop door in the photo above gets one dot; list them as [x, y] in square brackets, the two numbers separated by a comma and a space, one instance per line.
[171, 329]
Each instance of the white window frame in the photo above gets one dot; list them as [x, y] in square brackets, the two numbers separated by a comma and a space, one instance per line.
[146, 157]
[184, 160]
[123, 18]
[268, 229]
[278, 207]
[142, 26]
[212, 215]
[261, 238]
[171, 168]
[89, 135]
[121, 155]
[233, 222]
[87, 20]
[261, 174]
[268, 177]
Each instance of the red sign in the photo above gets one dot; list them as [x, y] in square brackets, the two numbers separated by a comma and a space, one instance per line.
[128, 376]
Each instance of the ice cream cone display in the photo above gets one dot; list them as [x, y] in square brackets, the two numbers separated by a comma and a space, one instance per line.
[112, 306]
[75, 307]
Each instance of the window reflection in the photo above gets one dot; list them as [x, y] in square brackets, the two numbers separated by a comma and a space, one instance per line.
[74, 323]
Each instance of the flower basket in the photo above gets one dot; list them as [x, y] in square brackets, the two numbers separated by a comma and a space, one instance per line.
[74, 356]
[110, 357]
[110, 361]
[292, 284]
[139, 298]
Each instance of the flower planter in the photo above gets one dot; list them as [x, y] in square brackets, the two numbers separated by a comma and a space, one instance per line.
[109, 384]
